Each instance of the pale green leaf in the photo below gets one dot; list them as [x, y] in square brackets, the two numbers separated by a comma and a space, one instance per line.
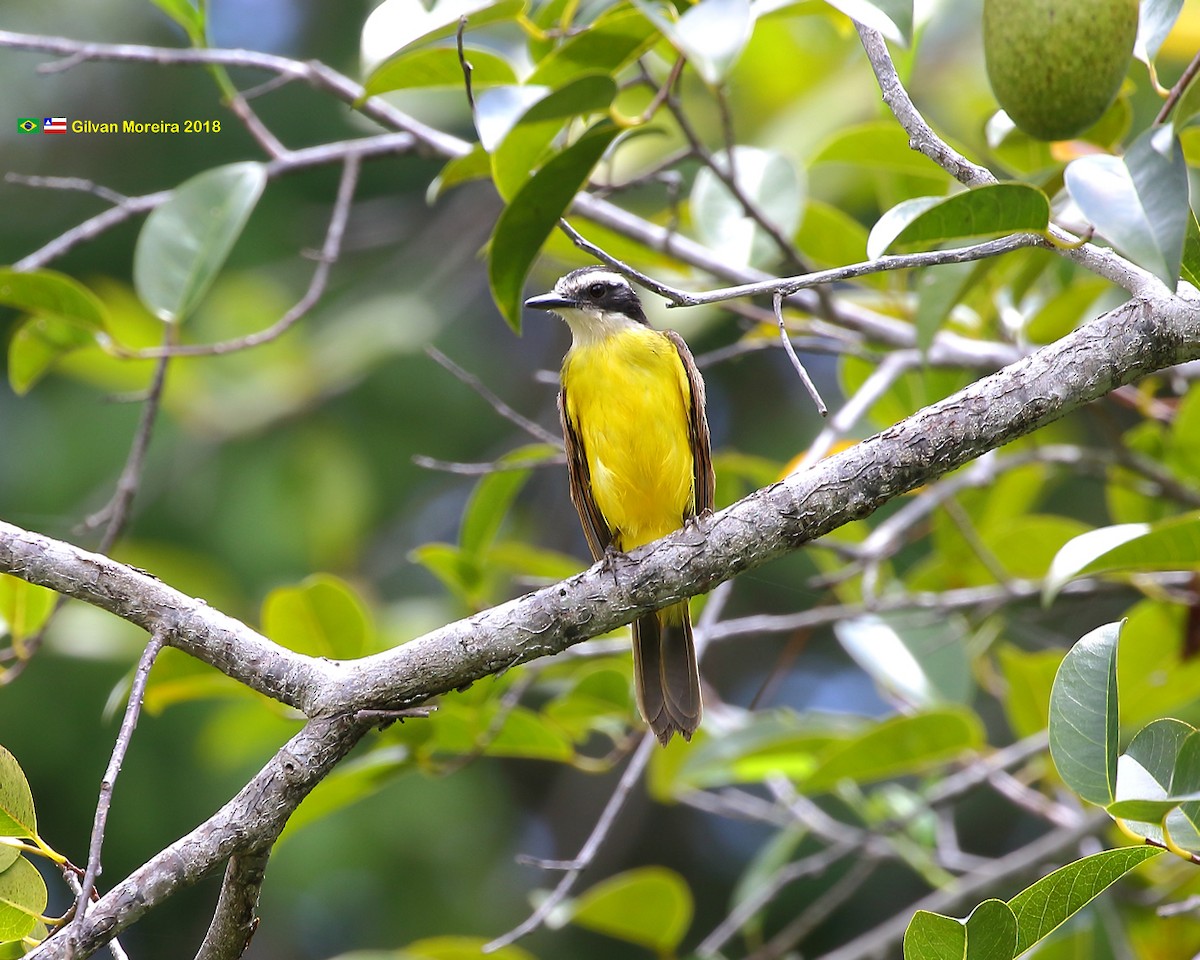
[1084, 721]
[322, 617]
[185, 241]
[771, 183]
[1171, 544]
[17, 817]
[1138, 202]
[439, 67]
[892, 18]
[649, 906]
[23, 899]
[982, 212]
[24, 607]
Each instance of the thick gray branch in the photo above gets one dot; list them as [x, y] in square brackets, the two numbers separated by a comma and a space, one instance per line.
[1117, 348]
[249, 823]
[1113, 349]
[235, 919]
[184, 622]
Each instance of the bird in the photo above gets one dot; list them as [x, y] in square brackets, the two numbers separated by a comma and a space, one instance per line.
[639, 463]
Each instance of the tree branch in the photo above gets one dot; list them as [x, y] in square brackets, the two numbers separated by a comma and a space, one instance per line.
[1117, 348]
[249, 822]
[235, 919]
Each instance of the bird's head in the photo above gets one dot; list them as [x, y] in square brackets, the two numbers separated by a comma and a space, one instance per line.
[595, 301]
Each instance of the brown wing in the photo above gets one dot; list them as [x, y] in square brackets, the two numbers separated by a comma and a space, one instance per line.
[594, 526]
[704, 479]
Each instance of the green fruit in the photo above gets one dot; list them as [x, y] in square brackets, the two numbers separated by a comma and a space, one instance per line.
[1056, 65]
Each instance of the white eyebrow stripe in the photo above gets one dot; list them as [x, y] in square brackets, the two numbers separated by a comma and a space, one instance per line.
[599, 276]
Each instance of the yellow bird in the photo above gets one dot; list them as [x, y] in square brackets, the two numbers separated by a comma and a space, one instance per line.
[632, 411]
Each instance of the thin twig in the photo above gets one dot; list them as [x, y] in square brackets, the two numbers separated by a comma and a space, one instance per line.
[115, 514]
[124, 736]
[483, 469]
[777, 304]
[791, 285]
[467, 68]
[535, 430]
[812, 916]
[69, 183]
[787, 874]
[387, 144]
[1177, 90]
[633, 773]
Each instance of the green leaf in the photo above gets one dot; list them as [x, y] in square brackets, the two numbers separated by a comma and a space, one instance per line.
[490, 729]
[897, 746]
[497, 111]
[1138, 202]
[1189, 268]
[1155, 20]
[17, 817]
[616, 39]
[351, 782]
[989, 933]
[534, 212]
[1045, 905]
[1184, 823]
[63, 316]
[711, 34]
[650, 906]
[476, 165]
[770, 182]
[1059, 315]
[186, 240]
[1029, 677]
[892, 18]
[1084, 720]
[938, 292]
[24, 607]
[396, 26]
[1144, 775]
[438, 67]
[457, 948]
[1171, 544]
[990, 211]
[830, 237]
[878, 145]
[458, 570]
[518, 154]
[322, 617]
[487, 508]
[187, 16]
[44, 292]
[921, 665]
[23, 899]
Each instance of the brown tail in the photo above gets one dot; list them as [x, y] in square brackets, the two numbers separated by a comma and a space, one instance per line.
[665, 674]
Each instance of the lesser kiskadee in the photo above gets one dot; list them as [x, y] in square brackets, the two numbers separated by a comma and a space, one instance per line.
[632, 411]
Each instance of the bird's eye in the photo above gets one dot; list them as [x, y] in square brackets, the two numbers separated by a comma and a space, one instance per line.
[597, 290]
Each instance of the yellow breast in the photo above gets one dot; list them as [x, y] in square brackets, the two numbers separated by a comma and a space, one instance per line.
[628, 401]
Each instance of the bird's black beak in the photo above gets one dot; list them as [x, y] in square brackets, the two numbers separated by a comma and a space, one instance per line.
[549, 301]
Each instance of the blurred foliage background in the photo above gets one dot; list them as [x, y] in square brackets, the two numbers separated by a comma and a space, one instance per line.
[297, 458]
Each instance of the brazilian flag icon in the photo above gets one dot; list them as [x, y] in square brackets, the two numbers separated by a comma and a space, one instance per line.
[29, 125]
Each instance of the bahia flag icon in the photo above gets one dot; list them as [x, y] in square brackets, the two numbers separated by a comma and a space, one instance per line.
[28, 125]
[54, 125]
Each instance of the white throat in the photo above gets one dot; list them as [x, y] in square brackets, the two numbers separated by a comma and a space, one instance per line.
[591, 326]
